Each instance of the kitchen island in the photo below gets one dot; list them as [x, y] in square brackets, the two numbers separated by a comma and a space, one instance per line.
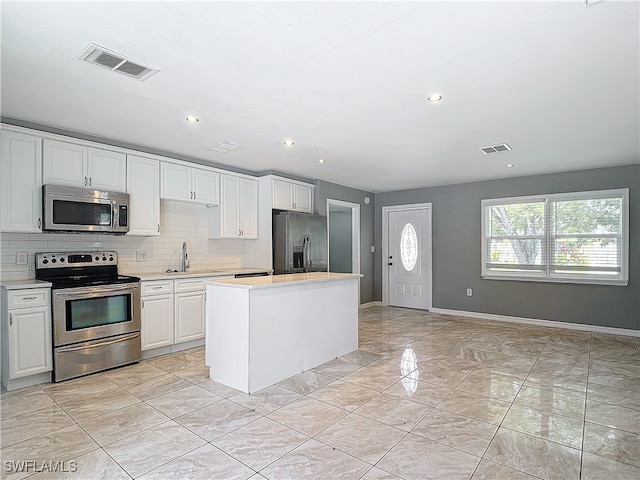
[262, 330]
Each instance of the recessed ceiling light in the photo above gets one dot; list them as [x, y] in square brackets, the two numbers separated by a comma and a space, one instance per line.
[434, 98]
[288, 142]
[509, 165]
[192, 119]
[322, 160]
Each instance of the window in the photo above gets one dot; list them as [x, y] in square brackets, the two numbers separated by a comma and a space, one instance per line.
[408, 247]
[580, 237]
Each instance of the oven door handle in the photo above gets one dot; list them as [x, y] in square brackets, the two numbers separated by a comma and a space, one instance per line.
[98, 344]
[108, 289]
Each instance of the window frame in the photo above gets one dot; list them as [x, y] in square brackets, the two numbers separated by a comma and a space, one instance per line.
[547, 276]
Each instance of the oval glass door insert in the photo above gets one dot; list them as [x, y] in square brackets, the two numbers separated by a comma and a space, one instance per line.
[408, 247]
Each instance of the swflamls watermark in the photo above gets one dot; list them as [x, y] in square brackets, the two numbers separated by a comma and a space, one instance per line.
[35, 466]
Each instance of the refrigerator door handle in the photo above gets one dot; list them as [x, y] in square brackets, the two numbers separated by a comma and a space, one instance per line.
[306, 252]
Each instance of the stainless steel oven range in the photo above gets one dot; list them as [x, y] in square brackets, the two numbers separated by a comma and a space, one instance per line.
[95, 312]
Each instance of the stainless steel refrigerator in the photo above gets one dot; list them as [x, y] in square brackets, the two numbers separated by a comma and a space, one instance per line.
[299, 243]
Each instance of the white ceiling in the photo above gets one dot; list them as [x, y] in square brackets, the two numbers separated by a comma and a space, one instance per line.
[557, 81]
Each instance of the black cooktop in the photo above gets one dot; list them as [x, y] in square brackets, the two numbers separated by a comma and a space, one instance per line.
[89, 281]
[80, 269]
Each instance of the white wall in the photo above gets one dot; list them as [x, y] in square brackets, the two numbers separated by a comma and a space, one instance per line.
[180, 222]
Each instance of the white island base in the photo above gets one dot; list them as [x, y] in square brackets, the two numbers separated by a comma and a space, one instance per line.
[262, 330]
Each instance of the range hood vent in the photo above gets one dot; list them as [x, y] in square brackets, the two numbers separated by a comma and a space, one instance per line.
[116, 62]
[503, 147]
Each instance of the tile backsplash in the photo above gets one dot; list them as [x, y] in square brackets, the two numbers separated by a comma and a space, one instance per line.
[180, 222]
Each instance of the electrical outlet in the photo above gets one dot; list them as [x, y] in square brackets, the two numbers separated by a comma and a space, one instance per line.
[373, 249]
[22, 258]
[141, 256]
[469, 292]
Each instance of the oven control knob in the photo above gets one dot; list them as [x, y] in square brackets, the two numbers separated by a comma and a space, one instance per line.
[111, 259]
[45, 261]
[97, 258]
[62, 259]
[104, 259]
[53, 260]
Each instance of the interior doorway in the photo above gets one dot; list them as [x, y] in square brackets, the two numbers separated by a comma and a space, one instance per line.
[343, 231]
[406, 256]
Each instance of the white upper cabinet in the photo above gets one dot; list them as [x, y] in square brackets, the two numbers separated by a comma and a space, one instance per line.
[143, 187]
[303, 198]
[189, 184]
[107, 170]
[249, 207]
[20, 182]
[291, 195]
[237, 215]
[206, 187]
[65, 164]
[80, 166]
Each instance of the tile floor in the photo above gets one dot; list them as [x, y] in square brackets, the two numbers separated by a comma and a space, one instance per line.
[426, 396]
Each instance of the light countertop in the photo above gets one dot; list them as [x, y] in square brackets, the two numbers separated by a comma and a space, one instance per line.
[196, 273]
[282, 280]
[22, 284]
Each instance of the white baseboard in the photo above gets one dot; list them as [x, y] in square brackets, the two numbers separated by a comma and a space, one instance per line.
[540, 323]
[370, 304]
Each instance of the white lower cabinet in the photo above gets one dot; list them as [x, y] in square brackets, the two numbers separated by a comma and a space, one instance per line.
[26, 335]
[189, 309]
[172, 311]
[157, 314]
[189, 316]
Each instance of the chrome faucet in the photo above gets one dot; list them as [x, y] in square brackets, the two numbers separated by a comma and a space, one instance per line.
[185, 258]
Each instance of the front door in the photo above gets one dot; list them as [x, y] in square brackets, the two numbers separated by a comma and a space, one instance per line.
[408, 262]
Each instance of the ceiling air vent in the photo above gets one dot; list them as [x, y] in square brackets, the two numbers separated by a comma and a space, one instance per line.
[224, 147]
[503, 147]
[116, 62]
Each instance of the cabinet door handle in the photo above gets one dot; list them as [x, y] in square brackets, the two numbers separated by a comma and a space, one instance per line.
[85, 181]
[29, 298]
[158, 228]
[90, 181]
[39, 223]
[194, 195]
[11, 319]
[142, 302]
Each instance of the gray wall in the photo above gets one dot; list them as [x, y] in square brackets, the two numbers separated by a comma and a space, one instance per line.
[326, 190]
[457, 256]
[340, 235]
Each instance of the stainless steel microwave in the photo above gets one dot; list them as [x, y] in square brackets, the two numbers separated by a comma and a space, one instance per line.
[71, 209]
